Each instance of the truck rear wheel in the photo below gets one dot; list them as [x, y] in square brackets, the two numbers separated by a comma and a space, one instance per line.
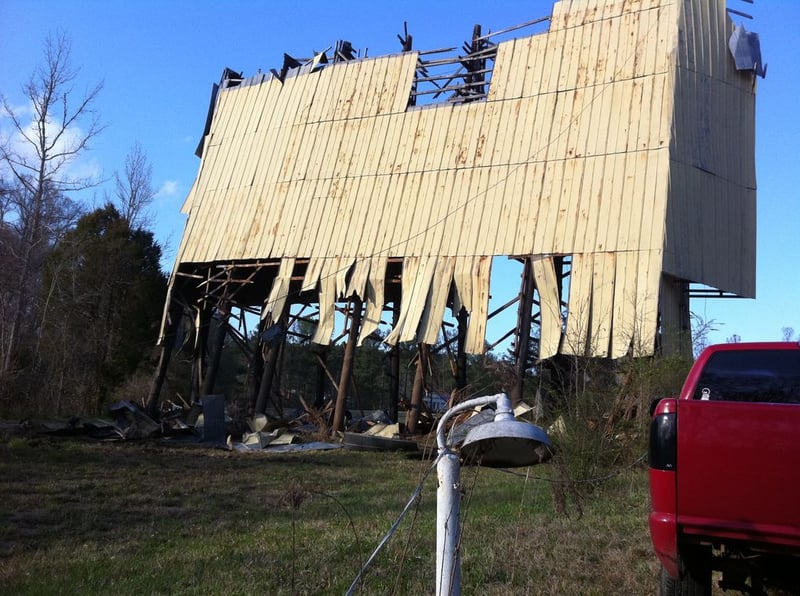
[686, 586]
[696, 576]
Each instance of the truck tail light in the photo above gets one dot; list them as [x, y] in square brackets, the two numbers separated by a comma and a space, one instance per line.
[663, 441]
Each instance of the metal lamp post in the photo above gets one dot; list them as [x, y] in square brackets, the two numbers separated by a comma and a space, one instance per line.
[503, 443]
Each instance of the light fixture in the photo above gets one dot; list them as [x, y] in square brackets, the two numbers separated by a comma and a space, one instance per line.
[502, 443]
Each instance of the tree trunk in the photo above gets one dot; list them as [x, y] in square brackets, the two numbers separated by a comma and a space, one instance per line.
[29, 239]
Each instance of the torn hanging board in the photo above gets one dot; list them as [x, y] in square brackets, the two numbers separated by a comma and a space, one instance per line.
[745, 48]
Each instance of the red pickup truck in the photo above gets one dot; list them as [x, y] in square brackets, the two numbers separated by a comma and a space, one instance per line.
[725, 472]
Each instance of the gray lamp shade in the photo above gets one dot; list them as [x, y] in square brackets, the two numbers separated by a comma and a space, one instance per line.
[506, 444]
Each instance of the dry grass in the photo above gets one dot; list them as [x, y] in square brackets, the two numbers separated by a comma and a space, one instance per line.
[138, 518]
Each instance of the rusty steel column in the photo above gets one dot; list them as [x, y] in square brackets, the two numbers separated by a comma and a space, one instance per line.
[522, 343]
[356, 305]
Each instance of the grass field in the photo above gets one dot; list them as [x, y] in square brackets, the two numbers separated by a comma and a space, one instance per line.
[141, 518]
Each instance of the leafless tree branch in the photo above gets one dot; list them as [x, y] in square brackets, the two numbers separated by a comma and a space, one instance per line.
[134, 188]
[37, 160]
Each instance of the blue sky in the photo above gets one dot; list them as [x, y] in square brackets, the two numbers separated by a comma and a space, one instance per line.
[159, 58]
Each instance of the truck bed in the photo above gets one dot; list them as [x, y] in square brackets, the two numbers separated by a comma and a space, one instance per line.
[739, 465]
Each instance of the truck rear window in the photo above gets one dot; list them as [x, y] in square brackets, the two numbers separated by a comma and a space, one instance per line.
[768, 376]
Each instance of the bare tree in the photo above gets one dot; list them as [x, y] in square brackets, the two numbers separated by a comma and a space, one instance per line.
[134, 188]
[5, 199]
[788, 333]
[701, 330]
[36, 157]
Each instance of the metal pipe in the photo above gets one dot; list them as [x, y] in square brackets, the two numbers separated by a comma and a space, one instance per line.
[448, 531]
[448, 501]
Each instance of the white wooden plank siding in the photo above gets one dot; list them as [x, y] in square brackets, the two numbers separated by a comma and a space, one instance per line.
[622, 137]
[373, 297]
[544, 275]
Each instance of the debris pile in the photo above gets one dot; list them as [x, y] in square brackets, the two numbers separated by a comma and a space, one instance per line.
[206, 423]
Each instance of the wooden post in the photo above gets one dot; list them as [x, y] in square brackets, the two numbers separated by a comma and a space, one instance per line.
[356, 305]
[522, 343]
[167, 345]
[412, 418]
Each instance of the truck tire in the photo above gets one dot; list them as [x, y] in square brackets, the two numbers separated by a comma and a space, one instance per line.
[696, 580]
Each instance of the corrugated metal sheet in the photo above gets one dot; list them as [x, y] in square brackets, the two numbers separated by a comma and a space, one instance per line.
[608, 138]
[373, 296]
[276, 300]
[544, 274]
[712, 199]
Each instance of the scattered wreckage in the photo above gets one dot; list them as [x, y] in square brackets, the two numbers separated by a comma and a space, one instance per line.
[303, 429]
